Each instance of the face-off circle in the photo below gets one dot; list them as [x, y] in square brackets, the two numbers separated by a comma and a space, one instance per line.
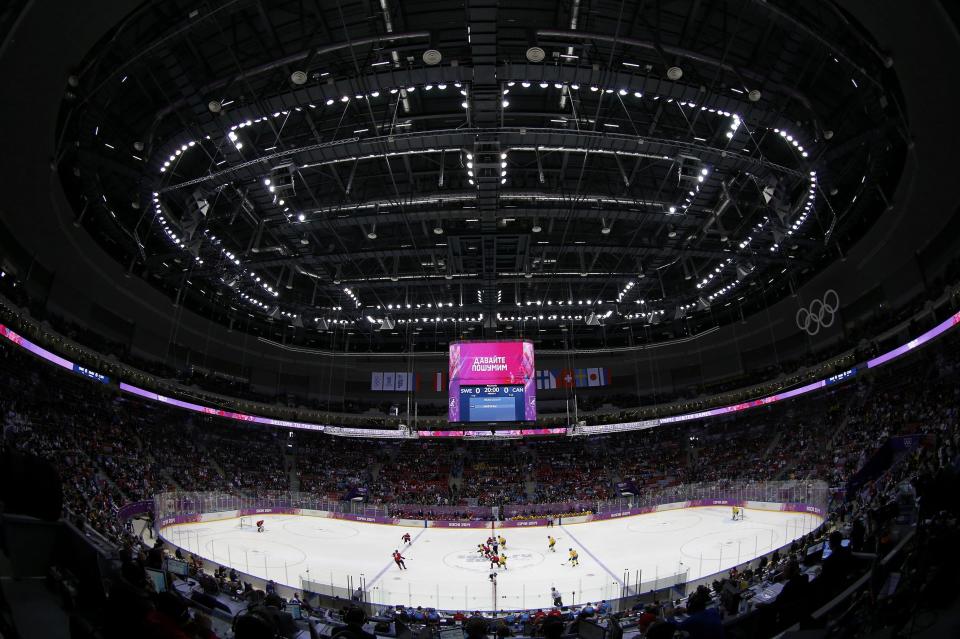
[517, 558]
[715, 545]
[320, 528]
[665, 525]
[245, 551]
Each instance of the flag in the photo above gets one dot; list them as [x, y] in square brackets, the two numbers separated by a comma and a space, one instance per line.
[389, 381]
[565, 378]
[438, 382]
[401, 383]
[596, 377]
[546, 379]
[376, 381]
[580, 375]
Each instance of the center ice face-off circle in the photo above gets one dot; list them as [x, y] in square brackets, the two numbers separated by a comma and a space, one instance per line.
[517, 559]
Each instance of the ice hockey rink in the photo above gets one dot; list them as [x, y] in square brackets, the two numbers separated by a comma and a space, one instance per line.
[445, 570]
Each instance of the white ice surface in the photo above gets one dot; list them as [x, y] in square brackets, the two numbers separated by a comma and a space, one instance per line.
[445, 571]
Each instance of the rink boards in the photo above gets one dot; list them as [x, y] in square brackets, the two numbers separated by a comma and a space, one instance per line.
[638, 551]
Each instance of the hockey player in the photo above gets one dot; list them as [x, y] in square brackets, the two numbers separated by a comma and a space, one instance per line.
[398, 558]
[502, 561]
[494, 560]
[260, 526]
[503, 542]
[406, 538]
[551, 542]
[574, 558]
[557, 601]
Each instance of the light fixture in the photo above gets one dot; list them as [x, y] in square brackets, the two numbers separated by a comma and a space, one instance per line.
[674, 73]
[438, 229]
[372, 233]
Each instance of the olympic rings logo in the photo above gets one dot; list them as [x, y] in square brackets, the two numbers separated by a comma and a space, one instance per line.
[821, 313]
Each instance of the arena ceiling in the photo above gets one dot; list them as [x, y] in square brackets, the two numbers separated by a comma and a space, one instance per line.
[420, 171]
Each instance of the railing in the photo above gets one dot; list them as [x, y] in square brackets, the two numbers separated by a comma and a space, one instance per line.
[194, 503]
[811, 493]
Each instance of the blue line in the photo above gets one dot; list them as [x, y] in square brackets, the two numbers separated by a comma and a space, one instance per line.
[592, 556]
[391, 562]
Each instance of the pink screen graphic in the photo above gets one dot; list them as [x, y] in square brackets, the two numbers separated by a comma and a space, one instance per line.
[492, 363]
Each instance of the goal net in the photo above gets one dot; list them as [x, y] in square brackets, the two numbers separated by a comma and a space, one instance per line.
[246, 522]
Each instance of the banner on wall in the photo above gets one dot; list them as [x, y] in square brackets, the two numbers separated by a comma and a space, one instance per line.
[546, 379]
[356, 493]
[573, 378]
[394, 381]
[627, 488]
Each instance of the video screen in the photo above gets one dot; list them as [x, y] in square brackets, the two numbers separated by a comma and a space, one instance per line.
[178, 568]
[158, 579]
[492, 382]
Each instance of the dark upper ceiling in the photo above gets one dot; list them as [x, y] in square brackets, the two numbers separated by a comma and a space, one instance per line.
[302, 166]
